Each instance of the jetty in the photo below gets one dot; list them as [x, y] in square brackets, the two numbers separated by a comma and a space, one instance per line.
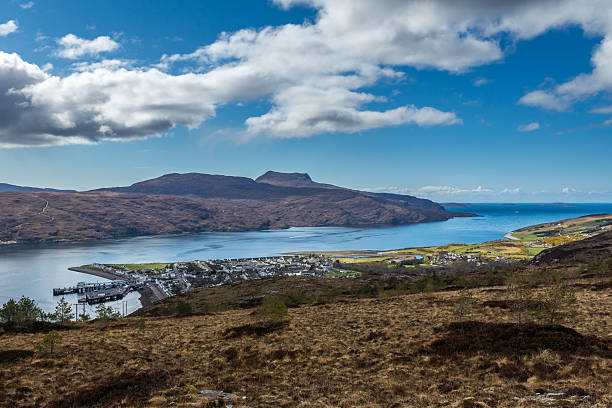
[83, 287]
[107, 295]
[100, 292]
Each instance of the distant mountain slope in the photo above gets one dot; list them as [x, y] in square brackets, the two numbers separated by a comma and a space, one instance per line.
[301, 180]
[193, 202]
[10, 187]
[597, 247]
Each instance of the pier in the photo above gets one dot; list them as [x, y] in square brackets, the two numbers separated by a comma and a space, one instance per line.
[99, 292]
[108, 295]
[83, 287]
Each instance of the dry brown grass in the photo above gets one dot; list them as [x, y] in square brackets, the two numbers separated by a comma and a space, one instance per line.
[392, 352]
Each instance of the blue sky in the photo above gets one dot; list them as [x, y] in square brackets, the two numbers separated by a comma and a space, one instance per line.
[479, 101]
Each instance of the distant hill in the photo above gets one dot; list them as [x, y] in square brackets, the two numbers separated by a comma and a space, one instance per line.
[194, 202]
[10, 187]
[595, 248]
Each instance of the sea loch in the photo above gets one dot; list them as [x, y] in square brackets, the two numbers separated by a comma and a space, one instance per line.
[34, 270]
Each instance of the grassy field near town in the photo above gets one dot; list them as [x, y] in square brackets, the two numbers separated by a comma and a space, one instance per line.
[523, 243]
[143, 266]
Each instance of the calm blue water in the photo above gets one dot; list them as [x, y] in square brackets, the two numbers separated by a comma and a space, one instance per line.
[34, 270]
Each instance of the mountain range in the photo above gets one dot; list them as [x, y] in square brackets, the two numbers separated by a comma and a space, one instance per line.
[193, 202]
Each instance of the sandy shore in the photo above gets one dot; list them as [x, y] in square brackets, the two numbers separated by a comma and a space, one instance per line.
[510, 236]
[95, 272]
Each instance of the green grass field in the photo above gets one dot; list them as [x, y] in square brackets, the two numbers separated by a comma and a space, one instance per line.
[156, 266]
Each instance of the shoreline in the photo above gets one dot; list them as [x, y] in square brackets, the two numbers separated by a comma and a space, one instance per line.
[147, 297]
[510, 236]
[94, 272]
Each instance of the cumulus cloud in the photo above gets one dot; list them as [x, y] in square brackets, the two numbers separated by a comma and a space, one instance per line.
[511, 190]
[27, 5]
[107, 64]
[8, 28]
[73, 47]
[546, 100]
[529, 127]
[584, 85]
[37, 108]
[568, 190]
[315, 74]
[304, 111]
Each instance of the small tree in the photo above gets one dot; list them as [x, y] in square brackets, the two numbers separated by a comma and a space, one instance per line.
[520, 297]
[49, 345]
[28, 311]
[272, 311]
[464, 304]
[84, 317]
[106, 312]
[63, 311]
[556, 304]
[9, 311]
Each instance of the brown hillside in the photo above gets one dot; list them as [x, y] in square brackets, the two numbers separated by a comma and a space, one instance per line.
[190, 203]
[390, 352]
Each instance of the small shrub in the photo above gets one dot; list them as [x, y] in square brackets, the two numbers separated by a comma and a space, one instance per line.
[520, 295]
[272, 311]
[106, 312]
[557, 304]
[141, 324]
[49, 345]
[545, 357]
[464, 304]
[183, 308]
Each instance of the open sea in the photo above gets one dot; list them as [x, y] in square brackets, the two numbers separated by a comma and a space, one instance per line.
[33, 270]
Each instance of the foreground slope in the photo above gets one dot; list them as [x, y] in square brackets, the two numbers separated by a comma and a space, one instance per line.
[398, 351]
[188, 203]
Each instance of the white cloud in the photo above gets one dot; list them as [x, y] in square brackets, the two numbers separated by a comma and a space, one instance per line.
[481, 81]
[544, 99]
[37, 108]
[27, 5]
[567, 190]
[107, 64]
[529, 127]
[452, 190]
[304, 111]
[315, 74]
[511, 190]
[73, 47]
[584, 85]
[604, 110]
[8, 28]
